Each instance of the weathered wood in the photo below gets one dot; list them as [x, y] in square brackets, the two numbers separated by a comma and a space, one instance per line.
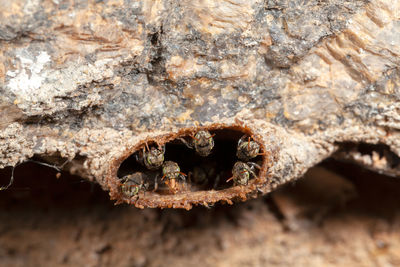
[91, 82]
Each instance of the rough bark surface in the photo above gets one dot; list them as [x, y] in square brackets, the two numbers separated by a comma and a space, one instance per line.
[90, 82]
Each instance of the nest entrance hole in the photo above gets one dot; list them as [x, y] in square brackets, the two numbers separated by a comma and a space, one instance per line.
[366, 149]
[203, 173]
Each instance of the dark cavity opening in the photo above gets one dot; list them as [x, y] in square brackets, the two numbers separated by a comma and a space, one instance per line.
[216, 167]
[39, 185]
[368, 149]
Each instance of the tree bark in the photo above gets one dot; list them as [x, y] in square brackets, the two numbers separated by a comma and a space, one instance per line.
[89, 84]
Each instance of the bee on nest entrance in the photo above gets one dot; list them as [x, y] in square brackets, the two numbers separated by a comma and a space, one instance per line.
[196, 161]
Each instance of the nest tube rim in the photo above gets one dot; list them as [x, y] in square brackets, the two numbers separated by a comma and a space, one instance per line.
[187, 199]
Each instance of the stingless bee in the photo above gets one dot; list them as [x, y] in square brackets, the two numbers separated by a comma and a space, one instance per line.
[172, 173]
[203, 142]
[199, 176]
[204, 174]
[152, 158]
[132, 184]
[242, 172]
[247, 148]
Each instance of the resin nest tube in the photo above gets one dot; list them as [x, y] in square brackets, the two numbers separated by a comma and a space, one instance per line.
[193, 166]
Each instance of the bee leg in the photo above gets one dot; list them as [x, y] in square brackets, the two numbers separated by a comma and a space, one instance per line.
[145, 187]
[253, 165]
[252, 173]
[139, 156]
[259, 190]
[185, 143]
[163, 148]
[155, 184]
[147, 146]
[216, 181]
[133, 199]
[182, 176]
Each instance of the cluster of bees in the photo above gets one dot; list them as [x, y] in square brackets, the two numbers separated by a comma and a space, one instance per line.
[153, 158]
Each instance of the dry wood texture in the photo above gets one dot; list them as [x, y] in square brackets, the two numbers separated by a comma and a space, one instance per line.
[90, 82]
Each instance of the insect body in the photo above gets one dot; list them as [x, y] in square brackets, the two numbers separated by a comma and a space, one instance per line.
[247, 148]
[152, 157]
[132, 184]
[242, 172]
[172, 173]
[198, 176]
[204, 174]
[203, 142]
